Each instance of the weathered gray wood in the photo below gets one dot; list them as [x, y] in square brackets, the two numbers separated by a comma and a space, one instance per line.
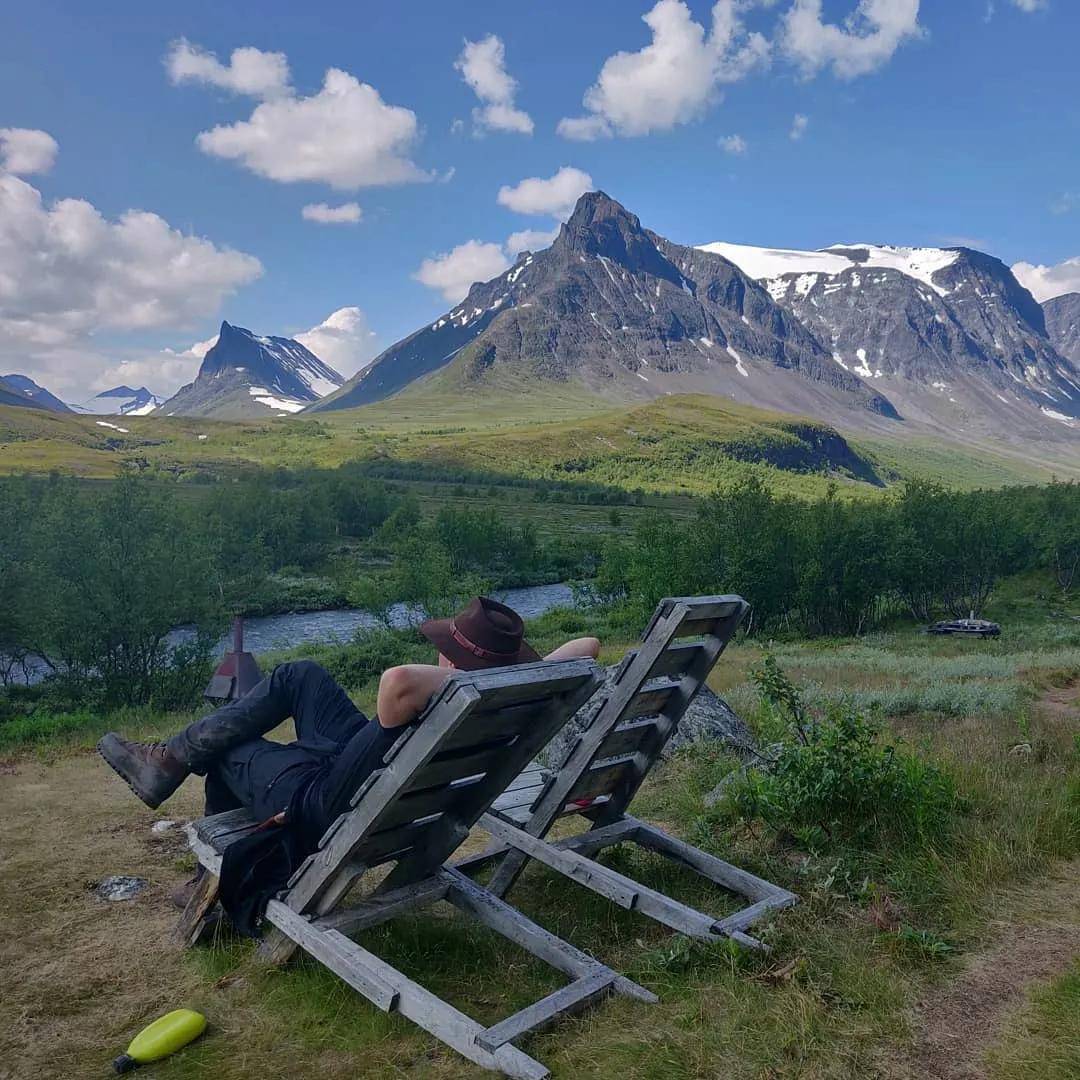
[723, 873]
[193, 921]
[334, 950]
[539, 1014]
[622, 890]
[447, 769]
[485, 906]
[589, 873]
[652, 699]
[658, 637]
[414, 806]
[204, 852]
[361, 968]
[376, 910]
[627, 738]
[603, 779]
[676, 659]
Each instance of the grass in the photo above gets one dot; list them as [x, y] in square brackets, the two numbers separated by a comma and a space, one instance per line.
[835, 998]
[1043, 1042]
[685, 445]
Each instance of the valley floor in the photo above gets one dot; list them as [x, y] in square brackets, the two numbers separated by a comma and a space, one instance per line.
[959, 966]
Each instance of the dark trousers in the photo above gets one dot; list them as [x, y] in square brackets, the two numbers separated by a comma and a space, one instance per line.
[311, 779]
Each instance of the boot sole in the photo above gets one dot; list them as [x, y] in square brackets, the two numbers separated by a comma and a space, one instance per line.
[120, 761]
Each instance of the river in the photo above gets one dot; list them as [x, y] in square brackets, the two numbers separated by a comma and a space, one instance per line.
[271, 633]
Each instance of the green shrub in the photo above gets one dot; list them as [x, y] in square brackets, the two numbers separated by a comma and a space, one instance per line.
[836, 781]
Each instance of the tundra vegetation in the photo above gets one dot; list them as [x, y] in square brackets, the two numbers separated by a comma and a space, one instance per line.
[912, 790]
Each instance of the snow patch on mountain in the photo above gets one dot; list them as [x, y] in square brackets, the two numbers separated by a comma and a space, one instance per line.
[769, 264]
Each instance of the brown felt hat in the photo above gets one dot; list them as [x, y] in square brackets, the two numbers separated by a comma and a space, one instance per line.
[484, 634]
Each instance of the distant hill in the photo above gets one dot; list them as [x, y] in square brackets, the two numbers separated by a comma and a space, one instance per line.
[38, 395]
[628, 315]
[120, 401]
[247, 376]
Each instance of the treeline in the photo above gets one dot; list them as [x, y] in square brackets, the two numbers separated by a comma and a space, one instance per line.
[835, 567]
[94, 577]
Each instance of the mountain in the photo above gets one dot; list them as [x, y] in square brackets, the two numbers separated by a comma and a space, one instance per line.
[120, 401]
[10, 395]
[623, 313]
[948, 334]
[26, 386]
[1063, 325]
[245, 375]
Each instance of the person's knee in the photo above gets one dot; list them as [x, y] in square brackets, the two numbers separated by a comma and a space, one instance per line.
[301, 671]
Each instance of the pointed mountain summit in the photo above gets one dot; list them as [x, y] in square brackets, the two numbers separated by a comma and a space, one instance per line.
[948, 334]
[624, 313]
[245, 375]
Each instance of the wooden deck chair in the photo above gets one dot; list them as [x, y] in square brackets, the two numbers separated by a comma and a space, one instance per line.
[438, 778]
[605, 766]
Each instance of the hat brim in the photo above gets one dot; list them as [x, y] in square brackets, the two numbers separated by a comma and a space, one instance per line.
[437, 631]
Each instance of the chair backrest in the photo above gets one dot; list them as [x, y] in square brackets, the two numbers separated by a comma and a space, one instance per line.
[437, 779]
[654, 684]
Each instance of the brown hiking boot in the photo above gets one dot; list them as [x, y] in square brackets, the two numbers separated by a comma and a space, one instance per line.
[149, 769]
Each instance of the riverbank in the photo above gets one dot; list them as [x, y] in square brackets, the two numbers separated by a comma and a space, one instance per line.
[851, 990]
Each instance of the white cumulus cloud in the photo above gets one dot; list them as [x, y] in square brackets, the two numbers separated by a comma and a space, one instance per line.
[1032, 5]
[555, 195]
[24, 151]
[69, 274]
[735, 145]
[453, 272]
[344, 135]
[798, 126]
[250, 71]
[1046, 282]
[529, 240]
[483, 66]
[672, 79]
[162, 372]
[344, 340]
[346, 214]
[864, 42]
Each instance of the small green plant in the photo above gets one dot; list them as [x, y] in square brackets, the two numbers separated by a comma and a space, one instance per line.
[923, 944]
[837, 781]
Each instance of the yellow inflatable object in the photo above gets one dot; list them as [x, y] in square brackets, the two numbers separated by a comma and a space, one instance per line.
[163, 1037]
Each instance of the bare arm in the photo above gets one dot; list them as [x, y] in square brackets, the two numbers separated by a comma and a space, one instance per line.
[582, 647]
[405, 691]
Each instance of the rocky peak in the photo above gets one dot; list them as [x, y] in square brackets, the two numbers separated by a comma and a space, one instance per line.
[602, 227]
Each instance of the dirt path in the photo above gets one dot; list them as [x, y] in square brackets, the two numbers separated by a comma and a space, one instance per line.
[1033, 938]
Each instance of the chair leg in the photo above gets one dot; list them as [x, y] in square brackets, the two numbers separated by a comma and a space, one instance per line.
[195, 919]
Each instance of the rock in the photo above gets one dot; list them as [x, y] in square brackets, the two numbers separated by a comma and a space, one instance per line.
[164, 827]
[709, 717]
[120, 887]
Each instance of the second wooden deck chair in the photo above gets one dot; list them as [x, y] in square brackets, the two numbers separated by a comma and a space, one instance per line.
[438, 778]
[606, 765]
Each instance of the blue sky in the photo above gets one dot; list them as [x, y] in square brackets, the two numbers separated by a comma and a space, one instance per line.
[945, 122]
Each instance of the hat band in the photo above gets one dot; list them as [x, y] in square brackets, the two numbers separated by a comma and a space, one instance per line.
[477, 650]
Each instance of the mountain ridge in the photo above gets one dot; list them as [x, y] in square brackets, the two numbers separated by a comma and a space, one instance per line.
[34, 392]
[629, 314]
[246, 375]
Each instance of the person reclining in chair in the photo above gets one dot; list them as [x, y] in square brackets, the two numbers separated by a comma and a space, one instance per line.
[306, 784]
